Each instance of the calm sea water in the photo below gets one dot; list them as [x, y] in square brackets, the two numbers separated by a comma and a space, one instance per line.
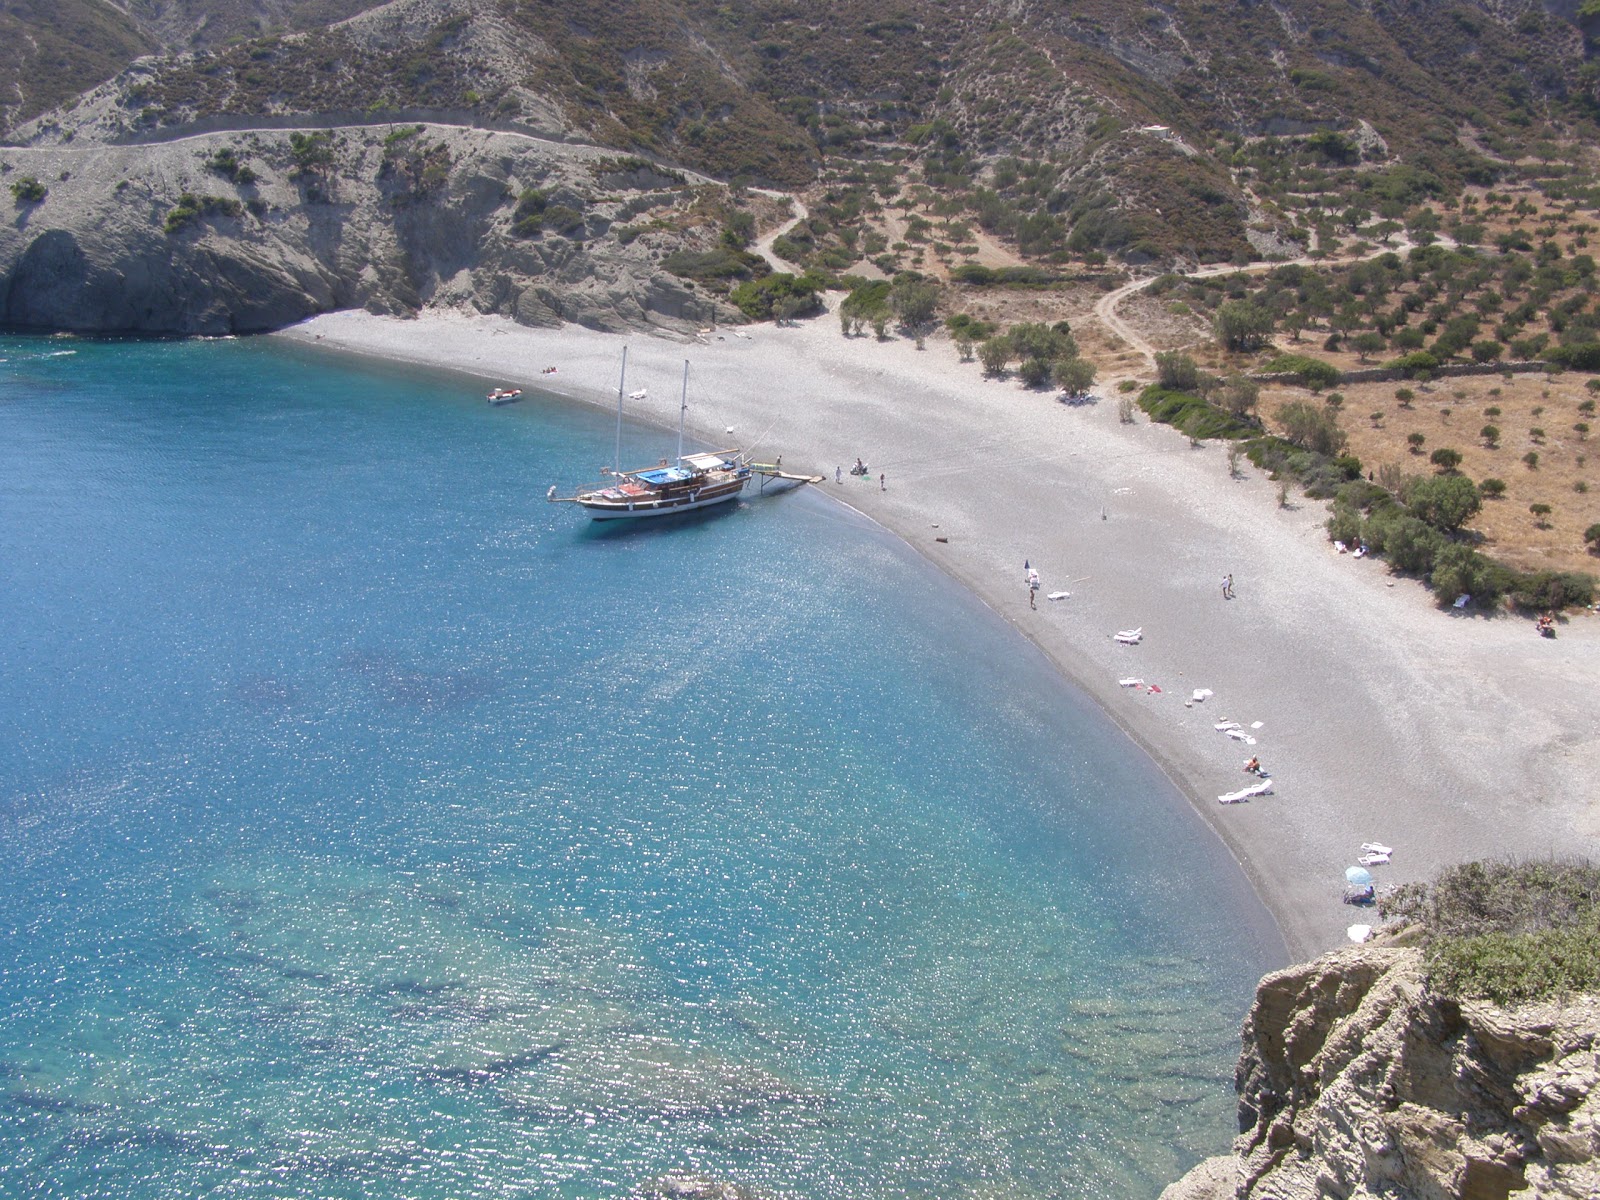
[370, 827]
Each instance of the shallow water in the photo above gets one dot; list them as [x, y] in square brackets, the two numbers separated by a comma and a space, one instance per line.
[372, 827]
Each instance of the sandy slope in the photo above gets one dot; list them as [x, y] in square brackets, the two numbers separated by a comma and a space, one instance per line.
[1382, 718]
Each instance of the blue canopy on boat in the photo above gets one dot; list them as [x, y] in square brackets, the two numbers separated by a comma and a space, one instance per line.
[665, 475]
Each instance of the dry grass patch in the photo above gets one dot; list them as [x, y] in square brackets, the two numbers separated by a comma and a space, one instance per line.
[1451, 413]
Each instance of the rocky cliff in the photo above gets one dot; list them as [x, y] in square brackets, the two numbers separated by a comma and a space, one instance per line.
[244, 231]
[1357, 1081]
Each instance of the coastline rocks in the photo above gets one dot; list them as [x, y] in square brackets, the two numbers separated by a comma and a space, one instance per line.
[175, 238]
[1356, 1080]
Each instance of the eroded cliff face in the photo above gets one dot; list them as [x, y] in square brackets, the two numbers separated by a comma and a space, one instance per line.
[376, 217]
[1357, 1081]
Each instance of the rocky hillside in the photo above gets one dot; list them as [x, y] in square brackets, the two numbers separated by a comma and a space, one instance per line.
[1073, 135]
[1357, 1080]
[227, 233]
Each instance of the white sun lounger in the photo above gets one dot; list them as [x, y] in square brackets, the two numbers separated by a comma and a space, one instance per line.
[1240, 735]
[1377, 848]
[1255, 789]
[1058, 595]
[1373, 859]
[1130, 637]
[1130, 682]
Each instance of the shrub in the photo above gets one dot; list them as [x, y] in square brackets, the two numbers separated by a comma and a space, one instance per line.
[1492, 488]
[230, 165]
[1540, 513]
[1532, 459]
[1419, 364]
[28, 190]
[1584, 356]
[1190, 414]
[780, 294]
[714, 266]
[1308, 372]
[1591, 536]
[1415, 440]
[1490, 435]
[192, 209]
[1445, 458]
[1507, 932]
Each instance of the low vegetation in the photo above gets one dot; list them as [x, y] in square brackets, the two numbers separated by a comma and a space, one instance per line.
[1510, 932]
[191, 210]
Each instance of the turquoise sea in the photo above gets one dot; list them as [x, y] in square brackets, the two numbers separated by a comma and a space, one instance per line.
[371, 828]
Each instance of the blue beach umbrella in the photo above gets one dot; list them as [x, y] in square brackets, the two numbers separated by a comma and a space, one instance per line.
[1359, 876]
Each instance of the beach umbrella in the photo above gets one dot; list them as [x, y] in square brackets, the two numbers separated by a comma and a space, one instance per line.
[1357, 876]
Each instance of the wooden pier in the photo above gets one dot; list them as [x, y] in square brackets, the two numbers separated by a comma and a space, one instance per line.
[774, 470]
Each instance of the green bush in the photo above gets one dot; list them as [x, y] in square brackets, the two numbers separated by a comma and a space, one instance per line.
[1584, 356]
[28, 190]
[1308, 372]
[1192, 415]
[192, 209]
[972, 273]
[1507, 932]
[1417, 363]
[720, 264]
[779, 295]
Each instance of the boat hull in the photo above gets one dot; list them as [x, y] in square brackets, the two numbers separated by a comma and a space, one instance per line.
[605, 509]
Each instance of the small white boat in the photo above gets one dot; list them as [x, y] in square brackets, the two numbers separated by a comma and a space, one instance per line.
[504, 395]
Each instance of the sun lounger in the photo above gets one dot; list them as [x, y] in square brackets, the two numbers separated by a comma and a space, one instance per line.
[1058, 595]
[1200, 694]
[1130, 682]
[1376, 848]
[1130, 637]
[1240, 735]
[1224, 726]
[1373, 859]
[1255, 789]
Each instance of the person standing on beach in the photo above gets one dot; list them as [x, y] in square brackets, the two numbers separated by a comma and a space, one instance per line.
[882, 486]
[838, 474]
[1033, 587]
[1227, 587]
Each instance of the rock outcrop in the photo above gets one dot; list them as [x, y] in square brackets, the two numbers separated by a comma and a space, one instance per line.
[248, 230]
[1357, 1081]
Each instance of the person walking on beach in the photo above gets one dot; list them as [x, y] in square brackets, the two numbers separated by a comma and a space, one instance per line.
[838, 474]
[1033, 586]
[1227, 587]
[882, 486]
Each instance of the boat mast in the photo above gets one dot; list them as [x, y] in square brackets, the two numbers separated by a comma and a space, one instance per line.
[683, 407]
[616, 463]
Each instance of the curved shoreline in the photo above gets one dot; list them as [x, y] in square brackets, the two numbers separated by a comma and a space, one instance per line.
[1383, 719]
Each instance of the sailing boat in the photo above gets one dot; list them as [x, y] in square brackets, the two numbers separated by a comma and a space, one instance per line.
[695, 481]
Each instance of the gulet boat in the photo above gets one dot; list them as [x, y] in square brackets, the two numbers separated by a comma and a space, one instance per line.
[693, 481]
